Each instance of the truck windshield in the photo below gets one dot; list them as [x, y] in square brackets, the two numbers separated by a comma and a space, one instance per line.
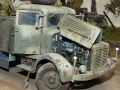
[28, 18]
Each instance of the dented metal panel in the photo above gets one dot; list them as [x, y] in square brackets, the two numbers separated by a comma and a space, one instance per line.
[64, 68]
[79, 31]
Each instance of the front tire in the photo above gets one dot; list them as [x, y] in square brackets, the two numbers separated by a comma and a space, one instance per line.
[47, 78]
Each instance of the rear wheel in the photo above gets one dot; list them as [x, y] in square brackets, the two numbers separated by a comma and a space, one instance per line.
[47, 78]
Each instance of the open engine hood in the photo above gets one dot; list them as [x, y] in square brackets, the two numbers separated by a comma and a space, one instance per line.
[78, 31]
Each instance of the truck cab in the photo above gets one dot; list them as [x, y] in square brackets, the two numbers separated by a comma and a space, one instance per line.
[51, 42]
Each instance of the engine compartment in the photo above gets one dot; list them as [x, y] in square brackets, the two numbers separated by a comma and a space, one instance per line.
[70, 49]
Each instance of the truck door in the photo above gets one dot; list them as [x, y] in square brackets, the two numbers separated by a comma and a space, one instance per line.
[27, 35]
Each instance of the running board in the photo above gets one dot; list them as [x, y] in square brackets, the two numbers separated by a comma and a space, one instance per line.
[24, 67]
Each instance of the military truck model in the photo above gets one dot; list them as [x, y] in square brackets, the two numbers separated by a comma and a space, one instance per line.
[51, 42]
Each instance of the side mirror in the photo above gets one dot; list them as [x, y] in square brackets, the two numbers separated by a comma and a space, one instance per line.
[37, 20]
[37, 25]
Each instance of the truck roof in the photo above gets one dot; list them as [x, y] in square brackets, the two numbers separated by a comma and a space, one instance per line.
[47, 9]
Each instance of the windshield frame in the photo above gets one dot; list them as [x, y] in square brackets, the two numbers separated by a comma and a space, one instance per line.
[60, 17]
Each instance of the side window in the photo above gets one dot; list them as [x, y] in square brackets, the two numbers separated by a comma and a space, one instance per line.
[53, 19]
[28, 18]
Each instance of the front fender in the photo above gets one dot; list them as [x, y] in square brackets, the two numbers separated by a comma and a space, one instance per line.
[64, 68]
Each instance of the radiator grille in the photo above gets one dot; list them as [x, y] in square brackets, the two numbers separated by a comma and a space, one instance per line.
[99, 56]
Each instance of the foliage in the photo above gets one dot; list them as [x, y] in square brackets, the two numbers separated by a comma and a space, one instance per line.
[75, 4]
[113, 35]
[113, 7]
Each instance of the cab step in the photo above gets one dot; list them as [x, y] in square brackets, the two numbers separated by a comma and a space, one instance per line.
[24, 67]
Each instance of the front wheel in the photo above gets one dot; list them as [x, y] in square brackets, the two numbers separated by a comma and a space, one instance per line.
[47, 78]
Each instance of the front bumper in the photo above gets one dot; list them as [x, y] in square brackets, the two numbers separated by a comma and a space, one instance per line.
[96, 74]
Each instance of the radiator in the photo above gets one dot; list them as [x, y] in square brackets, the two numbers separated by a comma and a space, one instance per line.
[99, 55]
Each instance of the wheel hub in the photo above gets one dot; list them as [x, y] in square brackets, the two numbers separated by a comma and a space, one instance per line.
[51, 79]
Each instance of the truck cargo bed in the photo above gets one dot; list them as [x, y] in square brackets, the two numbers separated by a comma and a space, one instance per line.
[6, 26]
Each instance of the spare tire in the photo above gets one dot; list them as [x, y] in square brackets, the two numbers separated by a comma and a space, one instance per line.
[43, 1]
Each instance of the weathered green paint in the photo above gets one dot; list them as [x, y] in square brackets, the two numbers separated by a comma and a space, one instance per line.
[95, 74]
[64, 68]
[28, 40]
[101, 48]
[7, 25]
[79, 31]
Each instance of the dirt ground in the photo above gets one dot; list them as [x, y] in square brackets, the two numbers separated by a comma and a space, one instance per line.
[8, 86]
[13, 80]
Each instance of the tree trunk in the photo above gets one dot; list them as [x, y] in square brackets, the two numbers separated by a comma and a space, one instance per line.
[93, 6]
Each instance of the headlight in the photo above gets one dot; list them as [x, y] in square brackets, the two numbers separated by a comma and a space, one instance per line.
[83, 68]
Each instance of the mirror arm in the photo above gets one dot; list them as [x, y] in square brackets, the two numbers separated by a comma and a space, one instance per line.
[39, 27]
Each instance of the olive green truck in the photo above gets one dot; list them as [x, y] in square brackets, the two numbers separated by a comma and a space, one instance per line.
[51, 42]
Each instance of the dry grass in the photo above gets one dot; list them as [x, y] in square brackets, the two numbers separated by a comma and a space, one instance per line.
[113, 35]
[112, 51]
[112, 54]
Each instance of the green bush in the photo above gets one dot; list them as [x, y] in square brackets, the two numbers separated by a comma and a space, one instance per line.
[73, 5]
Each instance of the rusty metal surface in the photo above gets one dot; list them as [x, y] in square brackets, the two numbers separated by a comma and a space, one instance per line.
[99, 56]
[96, 74]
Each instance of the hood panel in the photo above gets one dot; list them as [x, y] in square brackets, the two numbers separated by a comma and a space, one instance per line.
[78, 31]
